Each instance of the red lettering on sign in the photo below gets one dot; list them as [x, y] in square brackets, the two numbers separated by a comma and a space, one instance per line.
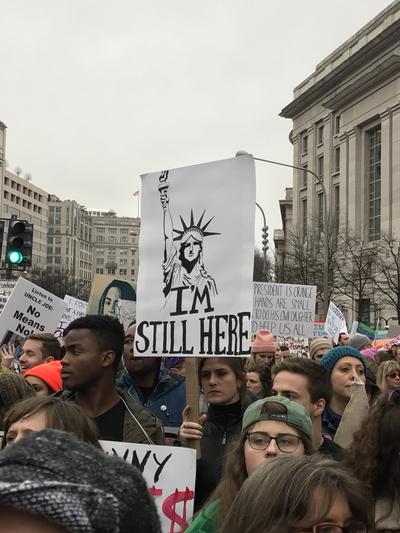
[170, 512]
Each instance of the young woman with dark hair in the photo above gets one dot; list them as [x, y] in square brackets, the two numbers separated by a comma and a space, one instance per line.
[374, 457]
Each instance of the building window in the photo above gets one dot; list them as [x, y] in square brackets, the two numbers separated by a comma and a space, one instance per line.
[124, 240]
[304, 213]
[305, 175]
[337, 124]
[304, 143]
[320, 213]
[320, 135]
[336, 159]
[336, 200]
[374, 176]
[320, 166]
[122, 271]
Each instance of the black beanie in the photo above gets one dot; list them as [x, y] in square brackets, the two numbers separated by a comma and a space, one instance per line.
[53, 474]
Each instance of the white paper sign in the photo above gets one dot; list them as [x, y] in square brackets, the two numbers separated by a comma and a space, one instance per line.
[284, 309]
[170, 474]
[6, 288]
[29, 309]
[334, 322]
[75, 309]
[196, 260]
[126, 312]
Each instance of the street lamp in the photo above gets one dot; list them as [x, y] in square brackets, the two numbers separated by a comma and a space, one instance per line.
[325, 221]
[264, 240]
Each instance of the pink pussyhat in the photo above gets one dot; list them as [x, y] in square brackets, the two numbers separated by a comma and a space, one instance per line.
[263, 342]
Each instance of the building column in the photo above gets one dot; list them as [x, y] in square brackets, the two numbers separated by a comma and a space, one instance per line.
[386, 171]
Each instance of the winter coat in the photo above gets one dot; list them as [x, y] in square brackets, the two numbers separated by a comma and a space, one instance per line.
[166, 401]
[206, 520]
[136, 419]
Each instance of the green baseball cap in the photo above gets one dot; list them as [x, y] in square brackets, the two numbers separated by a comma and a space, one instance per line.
[296, 415]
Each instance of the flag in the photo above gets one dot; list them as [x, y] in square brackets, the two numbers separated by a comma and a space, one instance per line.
[136, 193]
[371, 333]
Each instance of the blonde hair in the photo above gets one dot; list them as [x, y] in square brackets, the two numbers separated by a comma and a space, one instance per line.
[279, 495]
[383, 370]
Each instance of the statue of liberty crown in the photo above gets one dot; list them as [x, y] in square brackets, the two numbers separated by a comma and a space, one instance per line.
[194, 227]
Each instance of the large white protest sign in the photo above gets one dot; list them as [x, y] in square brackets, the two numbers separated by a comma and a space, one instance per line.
[284, 309]
[75, 309]
[170, 474]
[29, 309]
[196, 260]
[6, 288]
[334, 322]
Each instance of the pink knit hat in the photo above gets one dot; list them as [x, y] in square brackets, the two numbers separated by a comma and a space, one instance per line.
[263, 342]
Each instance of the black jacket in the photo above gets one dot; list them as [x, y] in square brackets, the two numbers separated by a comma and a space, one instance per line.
[224, 423]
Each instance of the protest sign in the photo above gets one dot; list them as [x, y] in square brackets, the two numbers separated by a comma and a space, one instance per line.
[334, 322]
[6, 288]
[284, 309]
[126, 312]
[319, 330]
[105, 293]
[170, 474]
[29, 309]
[196, 260]
[75, 309]
[297, 345]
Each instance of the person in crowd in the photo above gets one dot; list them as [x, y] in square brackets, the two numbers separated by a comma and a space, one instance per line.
[307, 382]
[345, 365]
[53, 482]
[396, 351]
[47, 412]
[223, 383]
[384, 355]
[343, 339]
[359, 341]
[258, 380]
[281, 353]
[93, 349]
[146, 383]
[388, 376]
[299, 494]
[263, 348]
[45, 378]
[319, 347]
[38, 348]
[374, 458]
[13, 388]
[271, 427]
[175, 366]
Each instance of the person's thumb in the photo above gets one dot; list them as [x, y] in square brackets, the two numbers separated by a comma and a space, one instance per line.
[185, 413]
[202, 419]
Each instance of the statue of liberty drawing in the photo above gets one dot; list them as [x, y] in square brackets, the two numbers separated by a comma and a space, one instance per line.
[183, 264]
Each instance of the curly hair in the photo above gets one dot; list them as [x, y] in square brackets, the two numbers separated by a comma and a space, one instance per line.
[374, 454]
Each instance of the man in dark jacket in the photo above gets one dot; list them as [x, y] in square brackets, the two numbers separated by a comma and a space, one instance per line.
[93, 350]
[164, 395]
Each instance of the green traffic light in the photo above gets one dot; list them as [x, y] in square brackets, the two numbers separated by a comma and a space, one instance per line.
[15, 257]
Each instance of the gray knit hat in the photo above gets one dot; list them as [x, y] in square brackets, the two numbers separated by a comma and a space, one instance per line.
[53, 474]
[358, 341]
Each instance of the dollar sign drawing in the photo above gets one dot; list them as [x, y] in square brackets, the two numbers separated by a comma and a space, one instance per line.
[170, 512]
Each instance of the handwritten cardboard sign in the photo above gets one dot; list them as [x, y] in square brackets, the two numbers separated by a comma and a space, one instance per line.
[170, 473]
[284, 309]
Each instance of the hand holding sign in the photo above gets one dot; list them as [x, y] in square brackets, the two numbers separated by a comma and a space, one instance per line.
[191, 430]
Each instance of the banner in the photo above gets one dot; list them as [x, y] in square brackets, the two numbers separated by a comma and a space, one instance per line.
[170, 474]
[6, 288]
[196, 249]
[334, 322]
[105, 294]
[75, 309]
[29, 309]
[284, 309]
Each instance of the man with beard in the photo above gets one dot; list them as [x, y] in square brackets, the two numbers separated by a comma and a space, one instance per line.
[155, 388]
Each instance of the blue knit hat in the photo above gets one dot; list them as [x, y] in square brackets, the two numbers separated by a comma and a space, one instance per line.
[330, 359]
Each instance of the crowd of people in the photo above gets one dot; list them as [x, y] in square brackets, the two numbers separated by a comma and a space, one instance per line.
[288, 442]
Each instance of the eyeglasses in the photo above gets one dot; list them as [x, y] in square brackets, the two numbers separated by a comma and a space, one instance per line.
[286, 442]
[393, 375]
[352, 527]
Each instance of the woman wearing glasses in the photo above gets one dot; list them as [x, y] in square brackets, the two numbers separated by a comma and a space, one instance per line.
[298, 495]
[388, 376]
[271, 427]
[374, 458]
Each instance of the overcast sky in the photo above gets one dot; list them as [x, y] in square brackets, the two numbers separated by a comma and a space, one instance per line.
[95, 92]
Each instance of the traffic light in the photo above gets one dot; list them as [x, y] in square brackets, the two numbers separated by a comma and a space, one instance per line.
[265, 238]
[19, 243]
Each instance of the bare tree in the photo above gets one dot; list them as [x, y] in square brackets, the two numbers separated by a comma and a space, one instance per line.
[262, 271]
[60, 281]
[387, 272]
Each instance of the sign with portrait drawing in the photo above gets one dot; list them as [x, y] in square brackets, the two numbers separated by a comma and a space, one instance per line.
[196, 250]
[106, 293]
